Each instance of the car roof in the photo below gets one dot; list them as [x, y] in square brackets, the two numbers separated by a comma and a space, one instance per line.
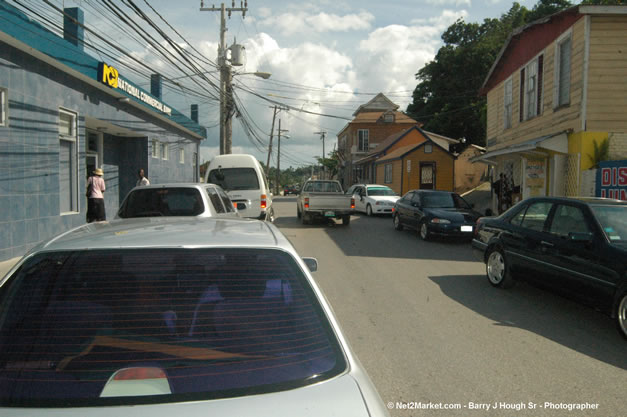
[584, 200]
[150, 232]
[176, 185]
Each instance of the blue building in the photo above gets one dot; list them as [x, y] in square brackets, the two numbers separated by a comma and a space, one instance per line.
[64, 113]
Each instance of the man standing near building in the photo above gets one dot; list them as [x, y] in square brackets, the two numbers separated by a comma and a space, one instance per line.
[142, 178]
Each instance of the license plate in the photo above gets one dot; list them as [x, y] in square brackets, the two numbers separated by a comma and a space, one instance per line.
[466, 228]
[329, 214]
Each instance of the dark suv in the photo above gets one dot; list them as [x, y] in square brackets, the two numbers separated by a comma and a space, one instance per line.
[576, 246]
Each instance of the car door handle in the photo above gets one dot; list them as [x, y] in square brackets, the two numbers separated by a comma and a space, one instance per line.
[546, 244]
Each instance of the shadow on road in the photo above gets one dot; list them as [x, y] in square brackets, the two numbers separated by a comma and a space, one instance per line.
[375, 237]
[546, 314]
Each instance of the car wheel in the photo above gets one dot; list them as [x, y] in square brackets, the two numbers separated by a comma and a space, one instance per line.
[621, 314]
[305, 218]
[270, 216]
[368, 210]
[497, 269]
[298, 212]
[397, 223]
[346, 220]
[423, 231]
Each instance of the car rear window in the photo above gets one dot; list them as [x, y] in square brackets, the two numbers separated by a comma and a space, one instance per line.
[88, 327]
[151, 202]
[235, 178]
[613, 220]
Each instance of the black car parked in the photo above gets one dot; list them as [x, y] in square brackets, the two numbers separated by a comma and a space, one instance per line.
[577, 246]
[433, 212]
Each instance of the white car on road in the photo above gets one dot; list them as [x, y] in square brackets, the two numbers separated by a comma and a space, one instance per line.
[373, 198]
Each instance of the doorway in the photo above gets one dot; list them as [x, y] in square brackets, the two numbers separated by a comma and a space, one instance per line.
[427, 175]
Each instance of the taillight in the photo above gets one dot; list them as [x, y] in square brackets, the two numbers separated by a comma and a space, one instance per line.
[352, 203]
[306, 202]
[477, 223]
[139, 374]
[263, 201]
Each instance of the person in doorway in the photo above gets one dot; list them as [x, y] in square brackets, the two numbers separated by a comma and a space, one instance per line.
[142, 178]
[95, 198]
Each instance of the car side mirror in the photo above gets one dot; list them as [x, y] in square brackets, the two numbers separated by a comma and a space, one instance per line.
[584, 237]
[312, 264]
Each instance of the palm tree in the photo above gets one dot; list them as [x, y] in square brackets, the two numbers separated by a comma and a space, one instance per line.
[601, 153]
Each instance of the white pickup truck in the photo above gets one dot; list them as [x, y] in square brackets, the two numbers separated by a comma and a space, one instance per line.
[324, 199]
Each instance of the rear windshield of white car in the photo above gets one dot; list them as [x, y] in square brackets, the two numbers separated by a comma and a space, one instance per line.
[380, 191]
[155, 202]
[143, 326]
[232, 179]
[323, 187]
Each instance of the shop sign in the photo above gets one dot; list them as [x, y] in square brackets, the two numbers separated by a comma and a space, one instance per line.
[110, 76]
[534, 170]
[612, 180]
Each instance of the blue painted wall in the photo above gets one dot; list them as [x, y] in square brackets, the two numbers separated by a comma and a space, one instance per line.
[29, 150]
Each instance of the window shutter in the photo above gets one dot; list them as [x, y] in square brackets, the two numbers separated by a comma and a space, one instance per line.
[521, 107]
[539, 96]
[564, 73]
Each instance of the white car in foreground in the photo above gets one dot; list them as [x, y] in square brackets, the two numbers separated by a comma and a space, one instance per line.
[373, 198]
[171, 316]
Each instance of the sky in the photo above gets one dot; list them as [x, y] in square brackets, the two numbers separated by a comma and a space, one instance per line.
[325, 56]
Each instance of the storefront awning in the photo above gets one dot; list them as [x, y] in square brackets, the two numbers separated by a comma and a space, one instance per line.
[557, 142]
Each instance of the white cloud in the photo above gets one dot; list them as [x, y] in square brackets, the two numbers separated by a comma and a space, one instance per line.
[450, 2]
[291, 23]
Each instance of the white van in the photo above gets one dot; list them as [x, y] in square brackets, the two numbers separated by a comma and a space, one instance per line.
[242, 177]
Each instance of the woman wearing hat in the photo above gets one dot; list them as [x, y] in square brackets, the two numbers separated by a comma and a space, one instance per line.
[95, 198]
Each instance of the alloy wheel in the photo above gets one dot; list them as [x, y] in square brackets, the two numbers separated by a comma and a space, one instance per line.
[495, 267]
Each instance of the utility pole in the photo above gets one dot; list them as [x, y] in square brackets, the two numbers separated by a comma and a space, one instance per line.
[226, 91]
[278, 157]
[323, 134]
[276, 110]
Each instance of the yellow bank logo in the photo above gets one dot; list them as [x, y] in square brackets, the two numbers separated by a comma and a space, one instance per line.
[108, 75]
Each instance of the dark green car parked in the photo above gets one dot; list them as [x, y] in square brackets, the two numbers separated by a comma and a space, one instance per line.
[576, 246]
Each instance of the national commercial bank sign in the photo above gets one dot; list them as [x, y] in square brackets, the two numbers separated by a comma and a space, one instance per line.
[111, 77]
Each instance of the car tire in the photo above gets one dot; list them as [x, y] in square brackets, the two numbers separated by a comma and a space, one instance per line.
[397, 223]
[621, 314]
[270, 216]
[305, 218]
[298, 213]
[346, 220]
[497, 269]
[368, 210]
[423, 231]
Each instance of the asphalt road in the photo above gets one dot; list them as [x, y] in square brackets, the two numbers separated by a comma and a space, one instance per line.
[432, 332]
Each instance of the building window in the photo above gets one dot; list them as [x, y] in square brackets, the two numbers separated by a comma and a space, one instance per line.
[363, 140]
[388, 173]
[181, 155]
[388, 117]
[155, 148]
[428, 148]
[68, 165]
[562, 73]
[4, 107]
[531, 89]
[164, 151]
[408, 165]
[507, 104]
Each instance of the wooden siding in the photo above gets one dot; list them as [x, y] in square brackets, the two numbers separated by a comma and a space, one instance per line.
[607, 75]
[444, 169]
[396, 175]
[550, 120]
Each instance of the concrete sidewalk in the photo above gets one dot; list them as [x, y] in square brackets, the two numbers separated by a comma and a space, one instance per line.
[5, 266]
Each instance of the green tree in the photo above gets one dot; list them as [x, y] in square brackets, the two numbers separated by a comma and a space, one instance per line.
[600, 153]
[446, 98]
